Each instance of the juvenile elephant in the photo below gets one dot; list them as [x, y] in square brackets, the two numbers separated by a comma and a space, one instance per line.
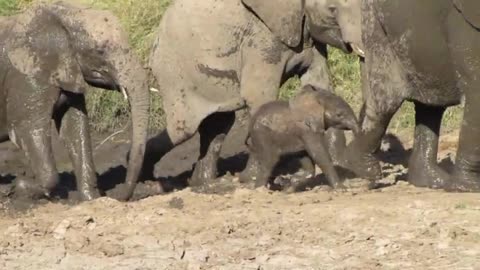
[427, 52]
[214, 57]
[49, 54]
[279, 128]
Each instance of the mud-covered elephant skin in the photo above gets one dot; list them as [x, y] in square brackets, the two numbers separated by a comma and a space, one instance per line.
[427, 52]
[49, 54]
[280, 128]
[214, 57]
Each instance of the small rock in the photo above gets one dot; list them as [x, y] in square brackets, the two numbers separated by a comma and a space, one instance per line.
[61, 229]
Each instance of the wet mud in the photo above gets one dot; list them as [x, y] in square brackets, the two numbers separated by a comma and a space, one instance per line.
[228, 226]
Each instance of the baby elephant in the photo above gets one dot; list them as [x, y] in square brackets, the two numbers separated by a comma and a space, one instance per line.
[280, 128]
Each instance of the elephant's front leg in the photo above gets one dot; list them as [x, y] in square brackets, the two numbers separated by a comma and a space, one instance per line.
[466, 176]
[212, 131]
[465, 46]
[35, 140]
[423, 170]
[318, 75]
[316, 148]
[72, 121]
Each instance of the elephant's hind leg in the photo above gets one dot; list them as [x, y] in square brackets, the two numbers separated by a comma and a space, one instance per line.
[72, 121]
[423, 170]
[212, 134]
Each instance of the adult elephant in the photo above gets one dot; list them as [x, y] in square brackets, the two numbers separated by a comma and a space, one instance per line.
[214, 57]
[49, 54]
[427, 52]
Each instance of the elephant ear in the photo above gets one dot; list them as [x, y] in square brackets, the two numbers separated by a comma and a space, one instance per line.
[34, 55]
[308, 113]
[470, 10]
[283, 17]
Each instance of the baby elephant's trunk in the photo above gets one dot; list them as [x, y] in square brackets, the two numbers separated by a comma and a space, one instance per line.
[354, 126]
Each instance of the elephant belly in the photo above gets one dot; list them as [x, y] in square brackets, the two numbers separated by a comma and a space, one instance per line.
[416, 32]
[198, 46]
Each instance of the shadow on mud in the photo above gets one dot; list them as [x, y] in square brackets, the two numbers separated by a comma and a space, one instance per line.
[392, 154]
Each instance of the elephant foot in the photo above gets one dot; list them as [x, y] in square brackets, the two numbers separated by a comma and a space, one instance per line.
[463, 182]
[206, 168]
[203, 173]
[307, 165]
[427, 175]
[339, 187]
[248, 175]
[364, 166]
[90, 193]
[120, 192]
[30, 189]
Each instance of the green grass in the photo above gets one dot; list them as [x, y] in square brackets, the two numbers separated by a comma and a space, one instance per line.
[8, 7]
[140, 18]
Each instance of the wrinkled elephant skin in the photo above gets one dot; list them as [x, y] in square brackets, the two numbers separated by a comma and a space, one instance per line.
[427, 52]
[281, 128]
[49, 54]
[212, 57]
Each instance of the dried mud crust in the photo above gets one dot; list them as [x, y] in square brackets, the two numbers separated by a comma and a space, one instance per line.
[395, 226]
[399, 227]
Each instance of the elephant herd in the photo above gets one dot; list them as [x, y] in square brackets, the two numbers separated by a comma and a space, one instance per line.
[212, 58]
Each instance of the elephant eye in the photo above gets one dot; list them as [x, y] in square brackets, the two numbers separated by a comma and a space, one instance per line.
[333, 10]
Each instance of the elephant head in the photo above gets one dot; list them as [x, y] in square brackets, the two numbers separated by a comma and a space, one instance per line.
[333, 22]
[100, 55]
[320, 109]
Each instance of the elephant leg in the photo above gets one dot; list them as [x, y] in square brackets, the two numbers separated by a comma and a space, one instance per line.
[36, 143]
[319, 76]
[423, 170]
[266, 158]
[251, 170]
[336, 144]
[359, 155]
[308, 165]
[466, 174]
[157, 147]
[316, 148]
[212, 131]
[465, 46]
[72, 122]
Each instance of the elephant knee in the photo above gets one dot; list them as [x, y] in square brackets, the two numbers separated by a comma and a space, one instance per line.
[372, 118]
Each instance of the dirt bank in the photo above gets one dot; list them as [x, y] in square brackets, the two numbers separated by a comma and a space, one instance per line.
[393, 227]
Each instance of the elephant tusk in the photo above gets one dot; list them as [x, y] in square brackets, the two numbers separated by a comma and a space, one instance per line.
[357, 50]
[155, 90]
[124, 92]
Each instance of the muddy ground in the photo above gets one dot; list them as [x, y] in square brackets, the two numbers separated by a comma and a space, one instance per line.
[394, 226]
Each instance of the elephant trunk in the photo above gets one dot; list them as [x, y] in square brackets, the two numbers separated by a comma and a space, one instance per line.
[354, 127]
[133, 82]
